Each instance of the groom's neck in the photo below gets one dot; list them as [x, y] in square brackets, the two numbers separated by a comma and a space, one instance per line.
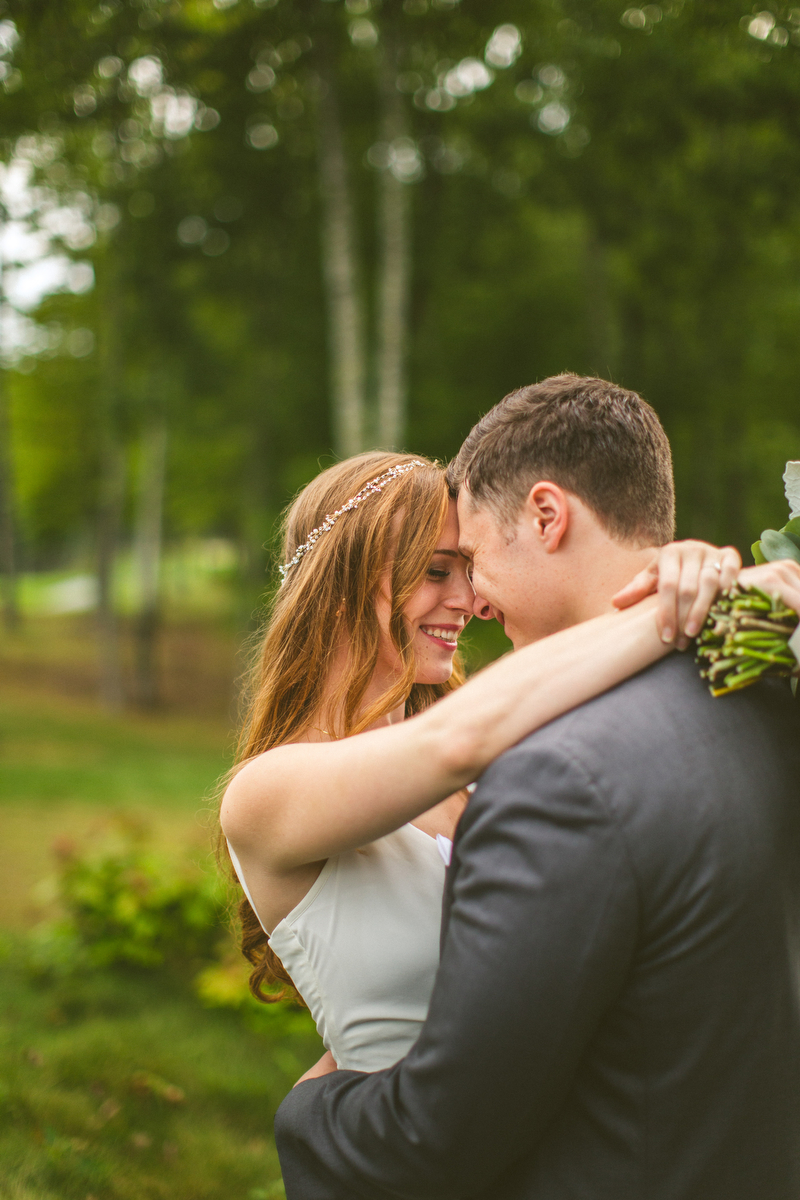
[597, 577]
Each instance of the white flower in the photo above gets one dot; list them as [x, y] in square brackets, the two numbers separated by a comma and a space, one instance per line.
[791, 477]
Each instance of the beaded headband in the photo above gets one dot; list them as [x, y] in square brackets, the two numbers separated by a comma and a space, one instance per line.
[369, 489]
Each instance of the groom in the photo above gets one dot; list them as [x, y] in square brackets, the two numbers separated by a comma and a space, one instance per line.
[615, 1015]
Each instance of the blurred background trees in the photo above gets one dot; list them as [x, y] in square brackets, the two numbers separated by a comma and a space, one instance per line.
[239, 238]
[242, 236]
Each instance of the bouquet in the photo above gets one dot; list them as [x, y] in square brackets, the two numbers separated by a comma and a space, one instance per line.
[749, 634]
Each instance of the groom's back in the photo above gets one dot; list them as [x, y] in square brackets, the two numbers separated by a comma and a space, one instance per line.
[690, 1086]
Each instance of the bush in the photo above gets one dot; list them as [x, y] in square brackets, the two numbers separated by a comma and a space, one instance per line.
[223, 984]
[126, 906]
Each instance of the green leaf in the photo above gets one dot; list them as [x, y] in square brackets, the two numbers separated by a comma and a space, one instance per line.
[792, 527]
[776, 545]
[758, 557]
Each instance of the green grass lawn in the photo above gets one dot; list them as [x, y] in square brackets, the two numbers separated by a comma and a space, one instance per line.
[83, 1063]
[67, 770]
[61, 752]
[76, 1120]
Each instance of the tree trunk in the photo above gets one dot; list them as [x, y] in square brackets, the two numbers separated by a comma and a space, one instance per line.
[345, 316]
[8, 568]
[110, 503]
[8, 563]
[109, 521]
[254, 526]
[147, 558]
[394, 265]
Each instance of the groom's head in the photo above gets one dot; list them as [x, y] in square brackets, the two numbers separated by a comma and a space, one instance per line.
[563, 488]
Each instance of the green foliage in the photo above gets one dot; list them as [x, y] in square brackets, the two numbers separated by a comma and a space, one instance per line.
[126, 906]
[654, 239]
[776, 544]
[223, 984]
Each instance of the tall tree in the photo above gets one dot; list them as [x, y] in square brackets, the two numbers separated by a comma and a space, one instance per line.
[395, 249]
[148, 537]
[8, 566]
[339, 255]
[111, 488]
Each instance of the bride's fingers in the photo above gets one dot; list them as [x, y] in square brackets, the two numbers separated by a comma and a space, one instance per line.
[776, 579]
[669, 576]
[693, 582]
[688, 576]
[718, 571]
[706, 594]
[686, 581]
[731, 564]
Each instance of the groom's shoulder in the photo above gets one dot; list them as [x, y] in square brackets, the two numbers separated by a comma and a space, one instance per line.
[665, 719]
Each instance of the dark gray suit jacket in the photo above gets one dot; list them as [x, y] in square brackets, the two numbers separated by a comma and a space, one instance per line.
[616, 1011]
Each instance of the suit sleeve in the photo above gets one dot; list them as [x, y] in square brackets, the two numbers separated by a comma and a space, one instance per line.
[538, 941]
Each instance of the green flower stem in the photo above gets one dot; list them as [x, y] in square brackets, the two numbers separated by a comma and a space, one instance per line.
[746, 637]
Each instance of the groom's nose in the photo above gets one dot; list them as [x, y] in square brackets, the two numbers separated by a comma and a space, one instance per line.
[482, 609]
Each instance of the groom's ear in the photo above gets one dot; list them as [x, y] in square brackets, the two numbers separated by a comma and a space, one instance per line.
[547, 510]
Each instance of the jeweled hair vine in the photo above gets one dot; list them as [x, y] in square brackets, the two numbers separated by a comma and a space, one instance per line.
[372, 488]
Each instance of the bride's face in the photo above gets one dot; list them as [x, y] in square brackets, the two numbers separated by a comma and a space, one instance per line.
[437, 613]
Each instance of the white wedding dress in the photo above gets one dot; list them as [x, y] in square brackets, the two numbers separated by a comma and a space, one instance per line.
[362, 946]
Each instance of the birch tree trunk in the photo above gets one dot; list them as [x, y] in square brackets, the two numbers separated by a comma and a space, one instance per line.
[345, 310]
[8, 566]
[109, 521]
[109, 509]
[147, 558]
[394, 264]
[8, 563]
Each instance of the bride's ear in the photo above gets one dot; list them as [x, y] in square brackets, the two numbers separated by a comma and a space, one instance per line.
[547, 509]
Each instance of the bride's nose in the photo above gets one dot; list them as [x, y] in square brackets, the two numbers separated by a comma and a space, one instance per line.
[461, 598]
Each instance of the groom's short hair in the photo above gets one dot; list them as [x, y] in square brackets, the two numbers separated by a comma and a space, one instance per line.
[597, 440]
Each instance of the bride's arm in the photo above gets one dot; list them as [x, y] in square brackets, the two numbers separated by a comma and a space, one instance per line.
[305, 802]
[302, 803]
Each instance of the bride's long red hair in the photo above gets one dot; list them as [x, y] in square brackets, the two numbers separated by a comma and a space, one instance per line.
[332, 589]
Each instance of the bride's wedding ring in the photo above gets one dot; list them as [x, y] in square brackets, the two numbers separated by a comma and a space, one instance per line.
[717, 566]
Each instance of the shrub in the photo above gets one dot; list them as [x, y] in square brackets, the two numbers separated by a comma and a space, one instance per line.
[126, 906]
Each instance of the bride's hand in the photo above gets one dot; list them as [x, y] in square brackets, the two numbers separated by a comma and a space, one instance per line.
[687, 576]
[324, 1067]
[776, 579]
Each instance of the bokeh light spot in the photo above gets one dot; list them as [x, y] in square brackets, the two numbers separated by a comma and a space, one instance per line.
[215, 242]
[192, 230]
[504, 46]
[262, 136]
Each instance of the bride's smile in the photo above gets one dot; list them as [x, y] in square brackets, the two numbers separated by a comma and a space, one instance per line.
[436, 614]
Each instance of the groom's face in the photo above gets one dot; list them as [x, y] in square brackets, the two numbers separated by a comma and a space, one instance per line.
[519, 583]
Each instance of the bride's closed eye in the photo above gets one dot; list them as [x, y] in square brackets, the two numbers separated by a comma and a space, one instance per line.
[437, 573]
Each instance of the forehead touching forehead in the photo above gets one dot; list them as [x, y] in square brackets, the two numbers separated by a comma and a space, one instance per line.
[479, 523]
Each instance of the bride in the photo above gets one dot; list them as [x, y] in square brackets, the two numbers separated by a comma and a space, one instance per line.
[360, 742]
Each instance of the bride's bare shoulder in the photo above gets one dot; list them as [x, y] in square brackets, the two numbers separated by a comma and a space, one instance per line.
[260, 788]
